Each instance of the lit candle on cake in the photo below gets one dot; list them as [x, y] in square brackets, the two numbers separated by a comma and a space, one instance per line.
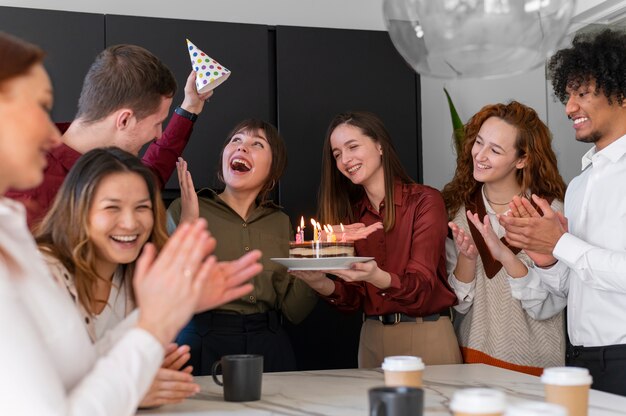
[302, 229]
[298, 238]
[327, 231]
[333, 237]
[343, 233]
[314, 229]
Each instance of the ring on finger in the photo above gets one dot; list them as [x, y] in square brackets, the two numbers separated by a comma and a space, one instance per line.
[187, 273]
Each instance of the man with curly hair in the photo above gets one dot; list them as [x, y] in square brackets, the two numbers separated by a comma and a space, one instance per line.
[584, 256]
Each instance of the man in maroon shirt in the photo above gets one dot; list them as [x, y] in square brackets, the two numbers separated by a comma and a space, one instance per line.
[126, 96]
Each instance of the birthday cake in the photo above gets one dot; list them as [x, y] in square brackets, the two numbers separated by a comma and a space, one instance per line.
[318, 249]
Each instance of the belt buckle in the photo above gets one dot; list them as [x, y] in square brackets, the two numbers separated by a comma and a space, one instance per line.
[397, 318]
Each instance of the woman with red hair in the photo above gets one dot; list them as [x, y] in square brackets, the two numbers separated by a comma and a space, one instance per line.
[507, 153]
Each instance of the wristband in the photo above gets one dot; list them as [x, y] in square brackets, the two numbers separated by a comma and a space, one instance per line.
[187, 114]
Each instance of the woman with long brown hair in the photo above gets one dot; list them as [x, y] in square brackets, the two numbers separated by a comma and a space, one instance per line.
[107, 209]
[403, 292]
[507, 152]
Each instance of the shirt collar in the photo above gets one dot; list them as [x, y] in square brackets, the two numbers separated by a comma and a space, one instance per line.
[612, 152]
[256, 213]
[66, 156]
[398, 198]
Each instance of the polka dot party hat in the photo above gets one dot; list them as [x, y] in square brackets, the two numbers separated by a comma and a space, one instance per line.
[209, 72]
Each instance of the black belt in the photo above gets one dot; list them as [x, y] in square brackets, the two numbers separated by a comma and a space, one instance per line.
[608, 352]
[396, 318]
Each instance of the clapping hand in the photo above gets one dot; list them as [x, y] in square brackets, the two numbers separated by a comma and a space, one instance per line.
[189, 208]
[537, 234]
[171, 383]
[463, 241]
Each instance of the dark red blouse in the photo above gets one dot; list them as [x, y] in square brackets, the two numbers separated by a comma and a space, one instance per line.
[413, 252]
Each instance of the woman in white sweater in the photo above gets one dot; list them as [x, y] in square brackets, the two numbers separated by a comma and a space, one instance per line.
[51, 367]
[107, 209]
[507, 152]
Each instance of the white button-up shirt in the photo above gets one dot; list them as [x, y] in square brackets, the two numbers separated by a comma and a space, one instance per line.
[592, 255]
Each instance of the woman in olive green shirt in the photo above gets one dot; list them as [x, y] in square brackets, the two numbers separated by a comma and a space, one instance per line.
[243, 218]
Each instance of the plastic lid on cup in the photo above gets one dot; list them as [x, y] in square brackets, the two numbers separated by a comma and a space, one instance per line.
[478, 401]
[535, 409]
[566, 376]
[403, 363]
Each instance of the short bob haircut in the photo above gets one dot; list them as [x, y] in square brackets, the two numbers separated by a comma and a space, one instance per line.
[277, 146]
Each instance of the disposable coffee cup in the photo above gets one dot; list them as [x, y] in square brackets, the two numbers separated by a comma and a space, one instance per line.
[568, 387]
[403, 370]
[478, 402]
[535, 409]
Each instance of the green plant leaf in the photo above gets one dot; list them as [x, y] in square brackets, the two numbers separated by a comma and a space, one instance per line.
[457, 125]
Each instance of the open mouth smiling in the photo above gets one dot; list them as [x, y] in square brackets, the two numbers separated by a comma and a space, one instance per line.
[240, 165]
[125, 238]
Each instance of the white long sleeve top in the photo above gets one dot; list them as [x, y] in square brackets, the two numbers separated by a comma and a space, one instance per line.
[535, 298]
[50, 365]
[592, 256]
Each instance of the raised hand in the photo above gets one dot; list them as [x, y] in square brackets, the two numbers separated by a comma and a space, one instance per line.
[529, 230]
[194, 102]
[189, 208]
[228, 281]
[494, 244]
[168, 287]
[356, 231]
[463, 241]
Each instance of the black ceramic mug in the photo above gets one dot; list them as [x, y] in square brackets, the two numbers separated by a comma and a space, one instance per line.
[396, 401]
[242, 375]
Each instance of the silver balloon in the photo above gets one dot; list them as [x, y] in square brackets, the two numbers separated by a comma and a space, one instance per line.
[476, 38]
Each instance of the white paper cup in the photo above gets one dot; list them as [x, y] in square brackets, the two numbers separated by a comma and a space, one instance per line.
[403, 370]
[535, 409]
[568, 387]
[478, 402]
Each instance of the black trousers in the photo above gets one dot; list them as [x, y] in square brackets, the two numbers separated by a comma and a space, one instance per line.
[607, 366]
[211, 335]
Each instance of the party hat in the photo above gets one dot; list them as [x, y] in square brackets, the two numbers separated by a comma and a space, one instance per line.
[209, 72]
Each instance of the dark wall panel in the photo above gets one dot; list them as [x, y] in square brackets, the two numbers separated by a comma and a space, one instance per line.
[322, 72]
[242, 48]
[71, 41]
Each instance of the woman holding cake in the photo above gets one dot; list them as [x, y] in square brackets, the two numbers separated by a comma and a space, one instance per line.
[507, 153]
[403, 292]
[243, 217]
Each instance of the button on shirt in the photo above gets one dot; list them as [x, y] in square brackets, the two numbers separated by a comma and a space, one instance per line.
[592, 255]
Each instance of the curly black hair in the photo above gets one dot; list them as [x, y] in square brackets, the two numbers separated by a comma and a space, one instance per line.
[599, 57]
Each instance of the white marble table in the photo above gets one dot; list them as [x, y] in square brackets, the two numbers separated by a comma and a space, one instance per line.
[344, 392]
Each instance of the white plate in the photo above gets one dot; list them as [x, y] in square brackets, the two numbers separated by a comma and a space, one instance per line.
[326, 263]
